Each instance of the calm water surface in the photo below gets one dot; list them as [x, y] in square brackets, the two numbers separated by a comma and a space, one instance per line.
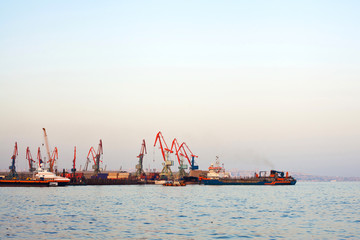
[303, 211]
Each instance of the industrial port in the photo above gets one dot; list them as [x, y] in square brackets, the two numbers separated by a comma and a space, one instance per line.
[41, 172]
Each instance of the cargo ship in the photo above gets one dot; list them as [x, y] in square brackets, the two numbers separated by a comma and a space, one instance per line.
[42, 178]
[218, 176]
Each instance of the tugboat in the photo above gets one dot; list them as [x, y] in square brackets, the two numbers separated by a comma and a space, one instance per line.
[218, 176]
[174, 183]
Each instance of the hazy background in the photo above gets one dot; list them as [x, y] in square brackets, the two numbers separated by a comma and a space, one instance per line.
[262, 84]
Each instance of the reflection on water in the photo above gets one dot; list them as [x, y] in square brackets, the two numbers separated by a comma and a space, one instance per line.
[304, 211]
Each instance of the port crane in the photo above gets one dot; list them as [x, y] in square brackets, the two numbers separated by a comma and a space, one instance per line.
[73, 170]
[139, 166]
[96, 158]
[193, 156]
[52, 158]
[86, 164]
[39, 158]
[166, 171]
[180, 153]
[13, 174]
[30, 160]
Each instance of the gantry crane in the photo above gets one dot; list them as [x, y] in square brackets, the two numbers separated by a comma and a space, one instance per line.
[139, 166]
[192, 163]
[180, 153]
[73, 170]
[40, 161]
[96, 158]
[166, 172]
[86, 164]
[30, 160]
[52, 158]
[13, 174]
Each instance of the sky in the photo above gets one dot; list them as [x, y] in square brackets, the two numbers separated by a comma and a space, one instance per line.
[261, 84]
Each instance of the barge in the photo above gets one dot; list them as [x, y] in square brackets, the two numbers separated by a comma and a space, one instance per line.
[275, 178]
[218, 176]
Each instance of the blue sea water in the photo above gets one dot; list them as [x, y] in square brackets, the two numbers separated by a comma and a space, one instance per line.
[303, 211]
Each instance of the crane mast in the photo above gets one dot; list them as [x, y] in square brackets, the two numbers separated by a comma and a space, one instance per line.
[180, 153]
[96, 158]
[53, 159]
[166, 172]
[39, 158]
[139, 166]
[193, 156]
[73, 170]
[30, 160]
[47, 145]
[13, 174]
[98, 155]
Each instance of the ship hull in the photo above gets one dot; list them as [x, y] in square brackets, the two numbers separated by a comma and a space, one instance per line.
[30, 183]
[246, 182]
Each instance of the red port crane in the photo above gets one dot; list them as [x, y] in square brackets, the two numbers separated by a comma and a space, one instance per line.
[175, 145]
[96, 157]
[166, 171]
[192, 163]
[53, 158]
[13, 173]
[73, 170]
[30, 160]
[39, 158]
[139, 166]
[180, 153]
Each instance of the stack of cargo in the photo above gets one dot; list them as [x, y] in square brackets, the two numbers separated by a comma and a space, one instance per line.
[123, 175]
[112, 175]
[88, 174]
[152, 176]
[198, 173]
[102, 175]
[120, 175]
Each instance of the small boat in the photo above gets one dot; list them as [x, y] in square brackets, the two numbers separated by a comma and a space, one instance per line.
[174, 184]
[160, 182]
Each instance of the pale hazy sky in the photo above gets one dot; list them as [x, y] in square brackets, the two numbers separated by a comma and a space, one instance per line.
[262, 84]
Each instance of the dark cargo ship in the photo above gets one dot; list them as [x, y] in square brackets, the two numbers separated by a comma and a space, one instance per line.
[218, 176]
[275, 178]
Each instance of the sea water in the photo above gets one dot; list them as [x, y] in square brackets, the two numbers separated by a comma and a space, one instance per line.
[303, 211]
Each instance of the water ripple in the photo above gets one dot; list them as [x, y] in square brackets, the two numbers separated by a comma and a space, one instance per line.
[304, 211]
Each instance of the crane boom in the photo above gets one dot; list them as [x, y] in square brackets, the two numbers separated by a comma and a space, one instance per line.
[175, 145]
[13, 173]
[139, 166]
[47, 144]
[180, 153]
[39, 157]
[74, 169]
[30, 159]
[192, 163]
[52, 159]
[96, 158]
[160, 137]
[166, 172]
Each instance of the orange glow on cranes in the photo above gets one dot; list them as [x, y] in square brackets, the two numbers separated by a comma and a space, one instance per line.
[30, 159]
